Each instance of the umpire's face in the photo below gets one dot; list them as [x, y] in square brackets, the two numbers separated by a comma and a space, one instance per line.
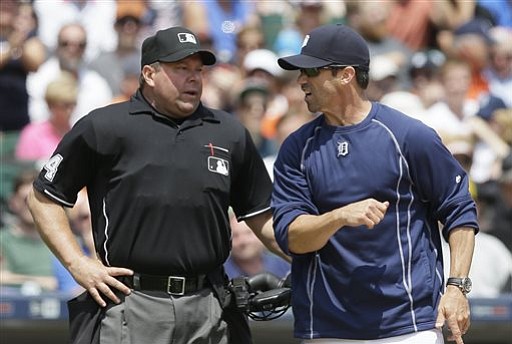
[176, 86]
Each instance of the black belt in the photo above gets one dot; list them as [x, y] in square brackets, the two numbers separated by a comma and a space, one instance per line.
[172, 285]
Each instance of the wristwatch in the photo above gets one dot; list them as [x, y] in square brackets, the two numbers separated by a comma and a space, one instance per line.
[464, 284]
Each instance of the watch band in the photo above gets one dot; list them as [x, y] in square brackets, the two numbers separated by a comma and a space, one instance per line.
[463, 283]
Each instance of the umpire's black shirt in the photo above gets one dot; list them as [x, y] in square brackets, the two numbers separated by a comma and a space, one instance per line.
[159, 191]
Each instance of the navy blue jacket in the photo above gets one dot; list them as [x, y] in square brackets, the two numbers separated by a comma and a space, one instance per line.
[384, 282]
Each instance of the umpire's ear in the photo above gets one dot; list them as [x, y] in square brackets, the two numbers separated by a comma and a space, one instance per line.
[148, 73]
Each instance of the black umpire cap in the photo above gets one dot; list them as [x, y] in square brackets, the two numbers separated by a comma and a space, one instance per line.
[173, 44]
[330, 44]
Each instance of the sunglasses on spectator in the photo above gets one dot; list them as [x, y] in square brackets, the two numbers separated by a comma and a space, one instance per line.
[128, 19]
[65, 44]
[312, 72]
[62, 104]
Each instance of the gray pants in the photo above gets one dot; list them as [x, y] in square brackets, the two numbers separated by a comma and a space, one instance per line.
[145, 318]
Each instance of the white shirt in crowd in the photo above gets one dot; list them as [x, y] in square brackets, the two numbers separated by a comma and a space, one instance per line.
[93, 91]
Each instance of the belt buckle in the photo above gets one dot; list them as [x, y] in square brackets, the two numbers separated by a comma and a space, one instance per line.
[176, 285]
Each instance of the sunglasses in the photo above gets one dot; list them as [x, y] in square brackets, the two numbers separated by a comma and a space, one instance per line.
[63, 104]
[312, 72]
[65, 44]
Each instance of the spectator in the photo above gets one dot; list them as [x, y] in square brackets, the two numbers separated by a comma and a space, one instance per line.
[294, 97]
[130, 80]
[451, 14]
[21, 52]
[500, 10]
[384, 87]
[425, 88]
[262, 64]
[248, 255]
[424, 76]
[490, 149]
[218, 90]
[454, 116]
[80, 221]
[493, 148]
[462, 149]
[502, 215]
[285, 125]
[471, 43]
[163, 14]
[308, 16]
[38, 140]
[369, 18]
[411, 23]
[25, 261]
[251, 105]
[449, 116]
[93, 90]
[96, 17]
[383, 77]
[249, 38]
[491, 270]
[220, 21]
[273, 15]
[499, 70]
[501, 123]
[417, 23]
[110, 64]
[488, 104]
[405, 102]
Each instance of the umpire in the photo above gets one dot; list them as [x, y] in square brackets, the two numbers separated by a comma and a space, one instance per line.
[161, 171]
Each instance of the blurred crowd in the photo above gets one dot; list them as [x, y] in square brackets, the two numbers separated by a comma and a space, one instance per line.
[447, 63]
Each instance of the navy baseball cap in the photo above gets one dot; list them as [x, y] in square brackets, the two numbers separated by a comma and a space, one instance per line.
[330, 44]
[173, 44]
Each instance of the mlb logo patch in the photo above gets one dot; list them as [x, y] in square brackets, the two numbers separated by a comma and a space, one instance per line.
[186, 37]
[218, 165]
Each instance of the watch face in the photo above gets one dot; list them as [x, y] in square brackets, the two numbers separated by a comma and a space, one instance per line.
[464, 284]
[467, 285]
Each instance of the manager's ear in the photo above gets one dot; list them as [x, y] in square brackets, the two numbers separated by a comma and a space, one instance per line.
[346, 75]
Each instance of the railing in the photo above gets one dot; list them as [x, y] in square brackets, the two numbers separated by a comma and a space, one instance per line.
[43, 319]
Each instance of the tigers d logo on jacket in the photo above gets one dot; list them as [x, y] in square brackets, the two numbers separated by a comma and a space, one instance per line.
[342, 148]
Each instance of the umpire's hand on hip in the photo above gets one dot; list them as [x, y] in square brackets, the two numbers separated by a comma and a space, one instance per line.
[99, 279]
